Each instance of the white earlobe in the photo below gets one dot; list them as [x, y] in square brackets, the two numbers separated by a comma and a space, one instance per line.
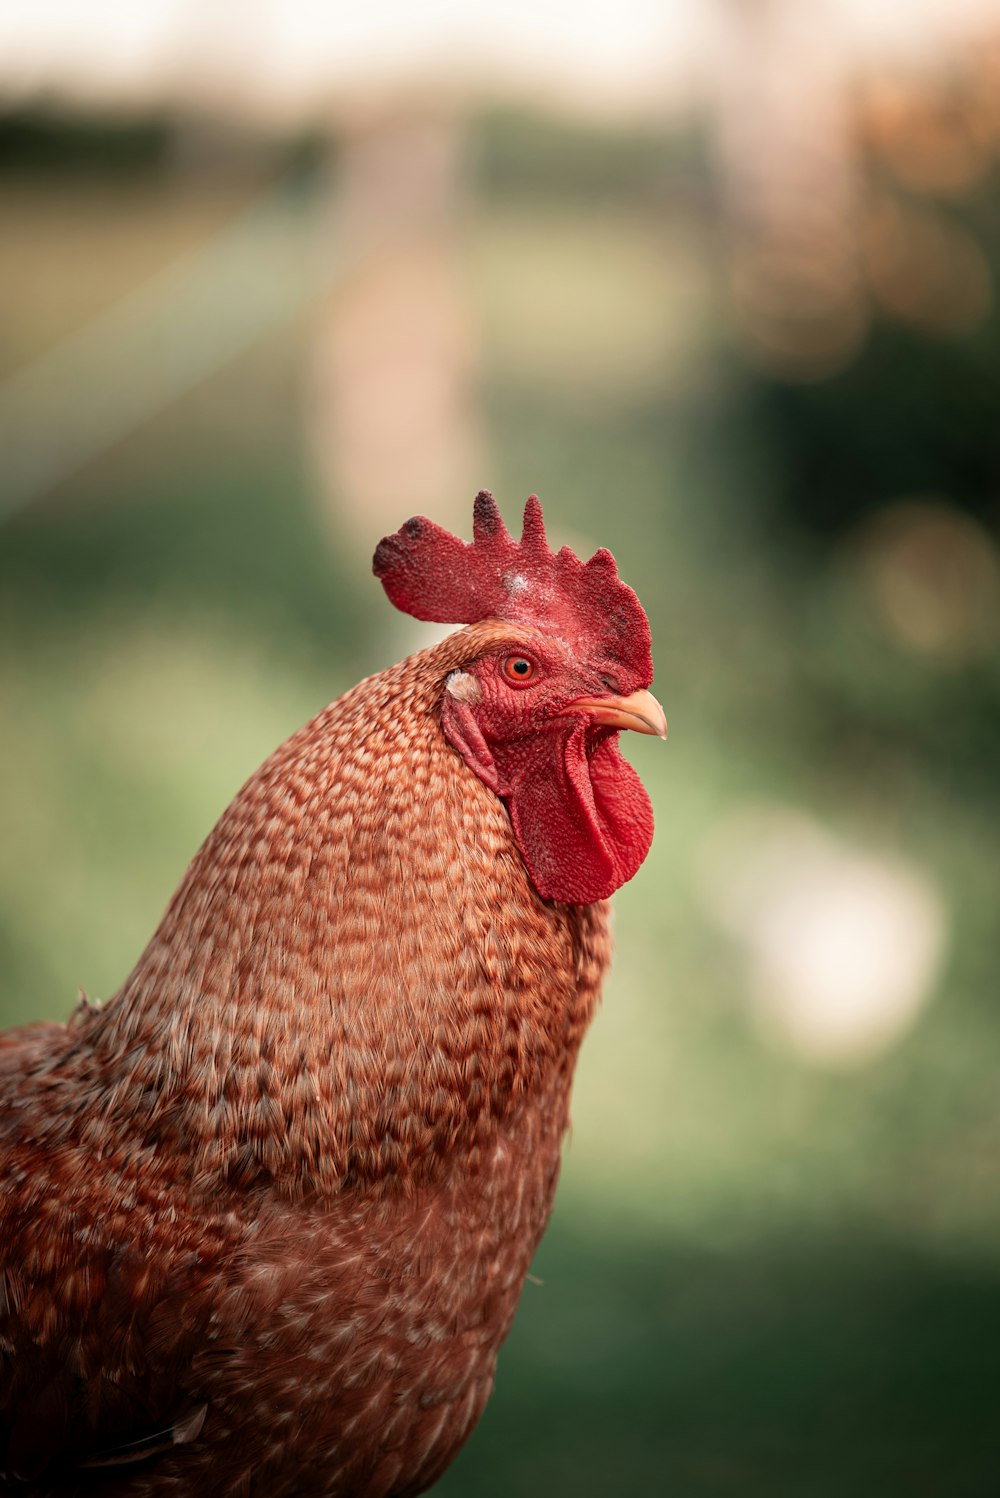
[463, 687]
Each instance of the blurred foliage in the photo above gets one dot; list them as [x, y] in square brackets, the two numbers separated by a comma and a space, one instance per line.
[765, 1275]
[913, 414]
[821, 1367]
[35, 144]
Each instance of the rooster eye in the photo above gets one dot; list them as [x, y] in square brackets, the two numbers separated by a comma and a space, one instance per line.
[518, 668]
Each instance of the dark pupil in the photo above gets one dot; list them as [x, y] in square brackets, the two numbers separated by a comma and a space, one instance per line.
[521, 667]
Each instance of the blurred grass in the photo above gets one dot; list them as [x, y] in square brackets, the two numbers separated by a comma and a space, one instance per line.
[763, 1276]
[824, 1365]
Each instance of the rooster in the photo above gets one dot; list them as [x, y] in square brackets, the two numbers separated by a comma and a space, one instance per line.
[266, 1213]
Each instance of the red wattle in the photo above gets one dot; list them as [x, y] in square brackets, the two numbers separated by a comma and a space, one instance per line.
[582, 820]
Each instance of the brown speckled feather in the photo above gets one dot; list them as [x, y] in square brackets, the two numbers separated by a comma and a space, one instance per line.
[266, 1215]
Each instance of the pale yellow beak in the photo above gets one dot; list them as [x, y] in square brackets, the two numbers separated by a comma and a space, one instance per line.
[640, 712]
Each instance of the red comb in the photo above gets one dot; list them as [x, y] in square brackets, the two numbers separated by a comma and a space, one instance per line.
[431, 574]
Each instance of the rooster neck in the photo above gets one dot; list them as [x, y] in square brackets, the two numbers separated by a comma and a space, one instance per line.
[356, 975]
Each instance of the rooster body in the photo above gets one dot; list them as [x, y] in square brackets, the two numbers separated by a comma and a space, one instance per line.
[267, 1213]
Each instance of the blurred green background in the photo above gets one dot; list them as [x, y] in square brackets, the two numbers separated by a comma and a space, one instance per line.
[232, 358]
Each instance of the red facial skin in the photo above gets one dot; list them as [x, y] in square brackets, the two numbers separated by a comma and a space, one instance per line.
[581, 817]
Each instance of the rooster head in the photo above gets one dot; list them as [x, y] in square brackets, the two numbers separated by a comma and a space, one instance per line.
[537, 716]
